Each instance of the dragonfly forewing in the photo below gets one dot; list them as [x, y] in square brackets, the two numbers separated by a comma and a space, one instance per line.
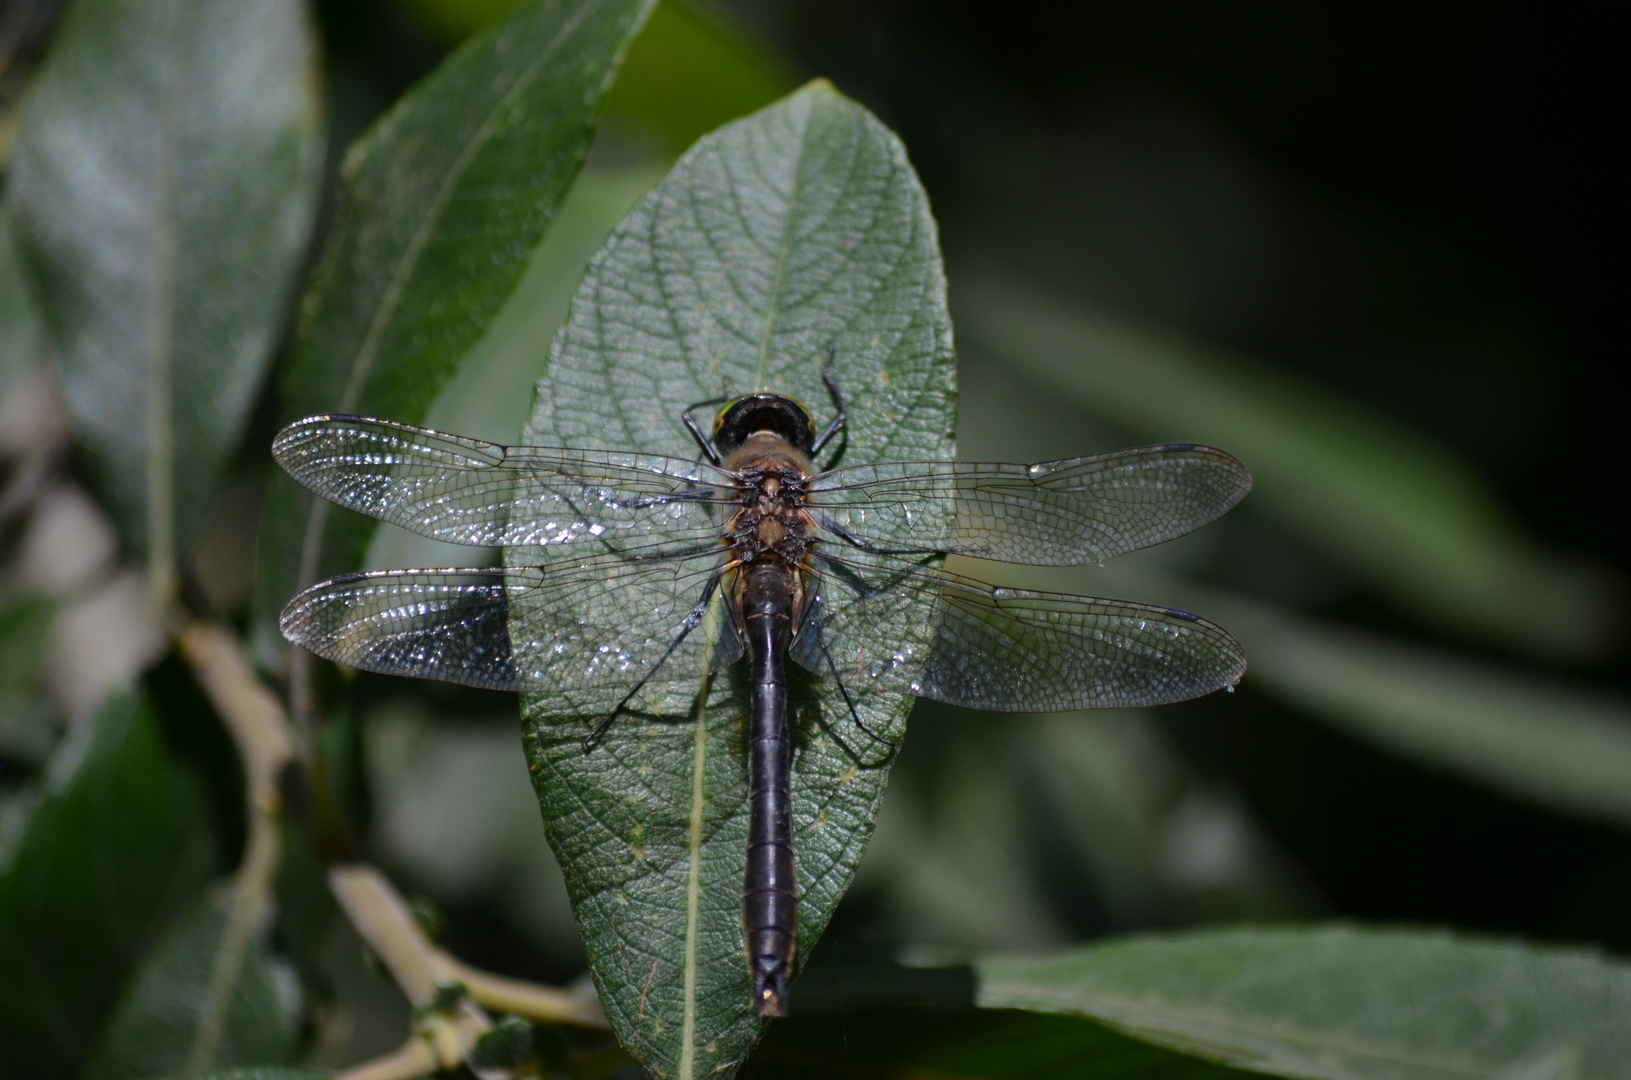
[1053, 513]
[465, 491]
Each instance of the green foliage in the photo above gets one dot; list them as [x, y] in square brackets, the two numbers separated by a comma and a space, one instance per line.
[114, 843]
[154, 1027]
[441, 202]
[795, 231]
[164, 186]
[1542, 740]
[1341, 1002]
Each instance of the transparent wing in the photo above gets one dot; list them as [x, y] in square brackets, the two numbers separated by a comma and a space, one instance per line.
[1055, 513]
[465, 491]
[1006, 650]
[603, 623]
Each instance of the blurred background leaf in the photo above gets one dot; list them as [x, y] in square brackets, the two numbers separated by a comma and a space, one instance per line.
[164, 186]
[113, 841]
[28, 729]
[1341, 1002]
[21, 336]
[689, 73]
[440, 205]
[154, 1028]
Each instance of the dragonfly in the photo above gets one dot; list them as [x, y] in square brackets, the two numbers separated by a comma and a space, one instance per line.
[627, 552]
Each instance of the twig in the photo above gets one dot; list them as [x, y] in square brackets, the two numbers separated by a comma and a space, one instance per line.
[382, 917]
[258, 727]
[425, 973]
[415, 1058]
[445, 1029]
[543, 1003]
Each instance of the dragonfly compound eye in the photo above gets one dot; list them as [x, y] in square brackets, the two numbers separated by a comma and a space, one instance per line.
[776, 413]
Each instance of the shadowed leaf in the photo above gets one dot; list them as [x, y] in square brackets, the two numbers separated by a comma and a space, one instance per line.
[114, 843]
[153, 1029]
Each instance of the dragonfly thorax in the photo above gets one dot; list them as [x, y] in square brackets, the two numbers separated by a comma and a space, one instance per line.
[770, 522]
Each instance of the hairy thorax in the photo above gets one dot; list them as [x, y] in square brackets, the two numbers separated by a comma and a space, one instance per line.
[769, 531]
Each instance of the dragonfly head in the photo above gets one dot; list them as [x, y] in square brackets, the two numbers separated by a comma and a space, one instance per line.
[752, 413]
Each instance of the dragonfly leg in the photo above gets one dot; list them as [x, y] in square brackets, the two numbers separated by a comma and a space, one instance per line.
[697, 432]
[837, 395]
[853, 714]
[693, 619]
[870, 548]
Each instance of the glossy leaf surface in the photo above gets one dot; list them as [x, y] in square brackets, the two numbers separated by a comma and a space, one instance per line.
[164, 184]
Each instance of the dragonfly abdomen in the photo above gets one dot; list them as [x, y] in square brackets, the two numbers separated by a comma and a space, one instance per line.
[769, 889]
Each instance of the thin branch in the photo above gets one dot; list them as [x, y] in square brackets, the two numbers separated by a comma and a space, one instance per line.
[447, 1031]
[415, 1058]
[260, 730]
[543, 1003]
[382, 917]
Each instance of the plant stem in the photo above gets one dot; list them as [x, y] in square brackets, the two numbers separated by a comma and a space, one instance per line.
[260, 730]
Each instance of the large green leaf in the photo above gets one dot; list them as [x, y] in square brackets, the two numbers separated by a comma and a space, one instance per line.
[155, 1026]
[796, 230]
[1396, 511]
[1341, 1002]
[114, 844]
[164, 184]
[441, 203]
